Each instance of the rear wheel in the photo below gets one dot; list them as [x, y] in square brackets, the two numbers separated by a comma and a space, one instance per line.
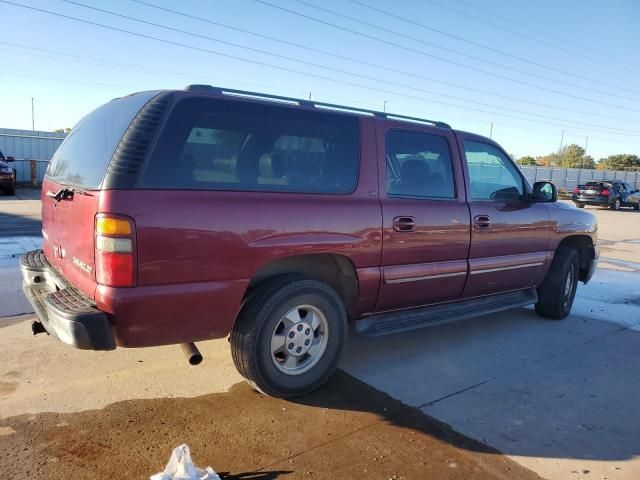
[557, 292]
[580, 205]
[616, 204]
[289, 336]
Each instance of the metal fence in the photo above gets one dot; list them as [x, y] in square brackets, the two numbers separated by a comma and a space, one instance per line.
[566, 179]
[29, 171]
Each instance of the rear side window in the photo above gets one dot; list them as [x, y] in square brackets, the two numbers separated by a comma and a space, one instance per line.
[210, 144]
[418, 165]
[82, 159]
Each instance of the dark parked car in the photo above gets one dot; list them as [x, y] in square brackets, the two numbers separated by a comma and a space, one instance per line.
[176, 216]
[606, 193]
[7, 176]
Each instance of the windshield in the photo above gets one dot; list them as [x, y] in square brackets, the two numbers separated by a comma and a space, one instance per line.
[83, 157]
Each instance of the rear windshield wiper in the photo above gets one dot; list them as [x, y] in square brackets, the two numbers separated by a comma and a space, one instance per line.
[65, 192]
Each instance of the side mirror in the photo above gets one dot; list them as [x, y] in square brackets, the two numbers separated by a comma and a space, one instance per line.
[10, 159]
[545, 192]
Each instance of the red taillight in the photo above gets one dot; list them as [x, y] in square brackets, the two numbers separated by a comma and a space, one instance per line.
[114, 269]
[605, 192]
[115, 253]
[576, 190]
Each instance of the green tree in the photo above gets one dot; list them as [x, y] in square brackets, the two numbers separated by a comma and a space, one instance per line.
[526, 160]
[62, 130]
[625, 161]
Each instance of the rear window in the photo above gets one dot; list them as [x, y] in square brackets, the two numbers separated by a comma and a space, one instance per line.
[82, 159]
[210, 144]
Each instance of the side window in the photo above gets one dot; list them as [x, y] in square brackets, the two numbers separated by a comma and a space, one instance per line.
[492, 175]
[418, 165]
[211, 144]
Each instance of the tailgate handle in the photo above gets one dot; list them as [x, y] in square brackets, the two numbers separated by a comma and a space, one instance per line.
[404, 224]
[482, 221]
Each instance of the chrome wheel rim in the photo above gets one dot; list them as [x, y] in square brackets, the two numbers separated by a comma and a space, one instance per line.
[617, 204]
[568, 285]
[299, 339]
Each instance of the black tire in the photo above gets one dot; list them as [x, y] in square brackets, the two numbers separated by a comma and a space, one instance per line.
[636, 207]
[580, 205]
[260, 315]
[10, 191]
[616, 204]
[552, 301]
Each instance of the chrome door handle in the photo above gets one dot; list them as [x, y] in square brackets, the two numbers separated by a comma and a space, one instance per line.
[482, 221]
[404, 224]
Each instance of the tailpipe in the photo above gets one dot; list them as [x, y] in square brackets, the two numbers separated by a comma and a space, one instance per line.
[194, 357]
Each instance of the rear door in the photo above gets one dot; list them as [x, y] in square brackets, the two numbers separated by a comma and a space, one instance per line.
[510, 234]
[426, 226]
[80, 164]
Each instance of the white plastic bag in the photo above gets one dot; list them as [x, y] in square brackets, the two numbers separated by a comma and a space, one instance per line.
[181, 467]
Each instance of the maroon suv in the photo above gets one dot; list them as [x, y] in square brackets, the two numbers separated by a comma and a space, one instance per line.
[171, 217]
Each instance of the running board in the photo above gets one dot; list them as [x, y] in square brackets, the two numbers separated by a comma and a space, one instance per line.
[406, 320]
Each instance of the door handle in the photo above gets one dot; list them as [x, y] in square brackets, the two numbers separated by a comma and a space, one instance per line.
[482, 221]
[404, 224]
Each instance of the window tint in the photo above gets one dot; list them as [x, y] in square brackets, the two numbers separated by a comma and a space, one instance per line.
[418, 165]
[83, 157]
[211, 144]
[491, 174]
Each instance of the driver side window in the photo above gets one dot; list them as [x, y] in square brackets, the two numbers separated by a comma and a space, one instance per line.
[492, 175]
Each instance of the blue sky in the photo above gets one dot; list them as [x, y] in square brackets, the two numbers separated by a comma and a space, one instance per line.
[580, 74]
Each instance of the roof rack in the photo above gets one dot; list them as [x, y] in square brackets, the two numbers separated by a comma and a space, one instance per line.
[310, 103]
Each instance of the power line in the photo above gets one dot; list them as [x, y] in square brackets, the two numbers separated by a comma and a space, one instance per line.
[457, 52]
[487, 47]
[374, 65]
[510, 30]
[345, 72]
[290, 70]
[420, 52]
[604, 55]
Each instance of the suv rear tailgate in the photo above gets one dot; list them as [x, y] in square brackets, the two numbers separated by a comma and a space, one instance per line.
[68, 231]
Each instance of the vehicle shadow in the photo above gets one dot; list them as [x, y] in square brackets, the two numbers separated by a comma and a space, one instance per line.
[522, 384]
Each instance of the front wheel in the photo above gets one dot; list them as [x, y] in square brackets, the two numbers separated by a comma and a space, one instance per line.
[289, 336]
[580, 205]
[558, 290]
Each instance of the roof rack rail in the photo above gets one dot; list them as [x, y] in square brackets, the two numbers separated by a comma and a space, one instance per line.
[310, 103]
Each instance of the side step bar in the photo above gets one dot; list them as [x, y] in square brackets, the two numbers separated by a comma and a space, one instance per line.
[407, 320]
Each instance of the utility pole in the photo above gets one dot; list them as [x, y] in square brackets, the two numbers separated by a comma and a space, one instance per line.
[491, 131]
[310, 95]
[561, 140]
[586, 144]
[33, 121]
[384, 105]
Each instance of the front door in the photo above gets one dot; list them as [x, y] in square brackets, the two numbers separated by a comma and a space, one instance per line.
[426, 227]
[510, 233]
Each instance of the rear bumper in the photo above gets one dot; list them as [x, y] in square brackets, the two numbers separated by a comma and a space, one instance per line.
[601, 201]
[63, 311]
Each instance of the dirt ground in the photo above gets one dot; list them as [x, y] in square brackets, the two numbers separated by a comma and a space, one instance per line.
[346, 430]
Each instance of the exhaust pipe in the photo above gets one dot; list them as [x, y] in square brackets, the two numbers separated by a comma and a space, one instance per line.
[194, 357]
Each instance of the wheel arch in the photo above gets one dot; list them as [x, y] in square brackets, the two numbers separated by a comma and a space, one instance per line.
[583, 244]
[335, 270]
